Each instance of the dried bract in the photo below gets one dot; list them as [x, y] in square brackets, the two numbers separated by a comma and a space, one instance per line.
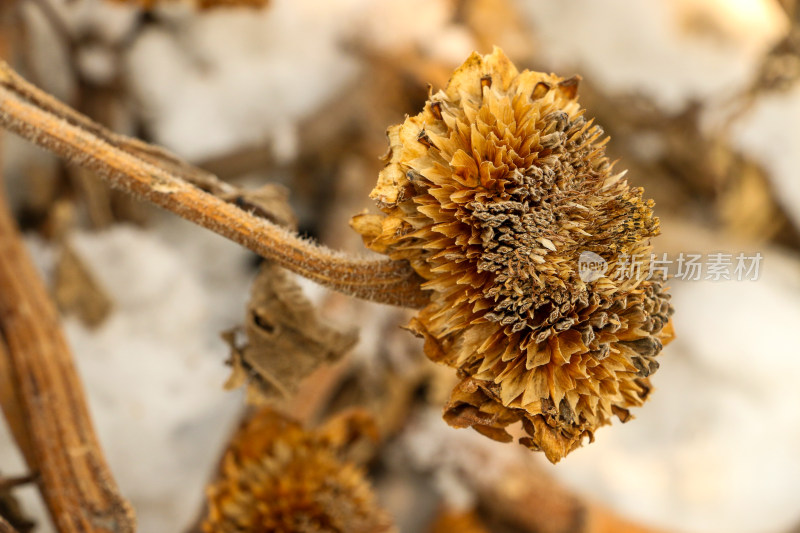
[492, 193]
[276, 477]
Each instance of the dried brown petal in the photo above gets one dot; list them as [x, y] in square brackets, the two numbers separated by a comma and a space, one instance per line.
[492, 193]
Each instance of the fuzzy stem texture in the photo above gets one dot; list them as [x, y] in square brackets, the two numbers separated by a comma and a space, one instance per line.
[154, 175]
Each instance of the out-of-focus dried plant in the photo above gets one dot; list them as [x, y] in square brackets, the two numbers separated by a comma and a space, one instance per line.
[780, 68]
[277, 477]
[10, 509]
[200, 4]
[492, 193]
[694, 169]
[497, 23]
[77, 291]
[43, 399]
[5, 527]
[462, 521]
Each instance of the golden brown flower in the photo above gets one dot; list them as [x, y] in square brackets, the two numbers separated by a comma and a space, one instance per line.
[492, 193]
[276, 477]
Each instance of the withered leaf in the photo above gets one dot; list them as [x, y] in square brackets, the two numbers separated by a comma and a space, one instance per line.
[286, 338]
[77, 291]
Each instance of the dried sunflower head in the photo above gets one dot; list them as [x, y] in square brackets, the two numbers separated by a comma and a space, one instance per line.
[276, 477]
[492, 193]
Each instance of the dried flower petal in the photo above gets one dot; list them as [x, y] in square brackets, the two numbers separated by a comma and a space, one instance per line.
[276, 477]
[492, 193]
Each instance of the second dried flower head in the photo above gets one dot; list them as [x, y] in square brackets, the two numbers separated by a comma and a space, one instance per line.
[492, 193]
[276, 477]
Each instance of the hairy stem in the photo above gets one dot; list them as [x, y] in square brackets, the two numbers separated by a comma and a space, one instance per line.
[158, 177]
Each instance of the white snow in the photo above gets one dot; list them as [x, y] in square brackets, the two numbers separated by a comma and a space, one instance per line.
[229, 78]
[648, 46]
[225, 79]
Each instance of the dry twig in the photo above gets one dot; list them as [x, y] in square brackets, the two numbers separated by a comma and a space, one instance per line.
[160, 178]
[9, 401]
[9, 483]
[57, 437]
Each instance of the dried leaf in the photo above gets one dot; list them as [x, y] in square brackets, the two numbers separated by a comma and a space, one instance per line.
[286, 339]
[77, 291]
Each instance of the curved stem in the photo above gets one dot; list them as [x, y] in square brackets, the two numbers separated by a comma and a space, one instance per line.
[154, 175]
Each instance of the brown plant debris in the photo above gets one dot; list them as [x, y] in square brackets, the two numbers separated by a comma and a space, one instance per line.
[492, 193]
[5, 527]
[286, 338]
[47, 408]
[277, 477]
[450, 520]
[10, 509]
[497, 23]
[211, 4]
[10, 402]
[199, 4]
[77, 291]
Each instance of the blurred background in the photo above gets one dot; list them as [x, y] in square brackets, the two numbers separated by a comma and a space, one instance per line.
[701, 99]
